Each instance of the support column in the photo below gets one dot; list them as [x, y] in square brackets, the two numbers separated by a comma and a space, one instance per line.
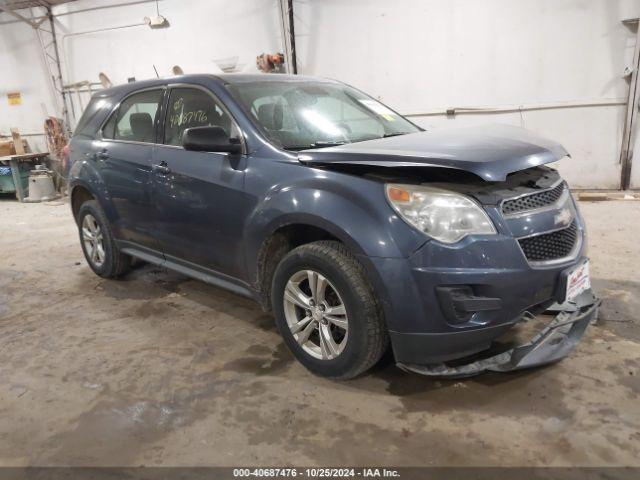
[58, 70]
[288, 35]
[626, 152]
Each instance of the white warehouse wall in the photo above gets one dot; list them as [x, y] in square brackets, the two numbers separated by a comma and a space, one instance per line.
[22, 70]
[419, 56]
[200, 32]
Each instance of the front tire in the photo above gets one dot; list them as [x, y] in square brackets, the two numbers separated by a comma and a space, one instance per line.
[327, 312]
[98, 245]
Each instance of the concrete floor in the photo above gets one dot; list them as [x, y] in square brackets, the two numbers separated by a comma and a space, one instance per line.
[157, 369]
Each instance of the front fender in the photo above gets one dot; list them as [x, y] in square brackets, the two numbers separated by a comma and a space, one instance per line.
[357, 215]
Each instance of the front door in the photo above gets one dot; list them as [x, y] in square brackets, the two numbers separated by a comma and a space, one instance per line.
[199, 196]
[124, 157]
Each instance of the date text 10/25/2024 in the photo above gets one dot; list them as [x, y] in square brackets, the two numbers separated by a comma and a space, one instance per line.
[316, 473]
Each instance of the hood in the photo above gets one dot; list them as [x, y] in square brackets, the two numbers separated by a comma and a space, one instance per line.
[490, 152]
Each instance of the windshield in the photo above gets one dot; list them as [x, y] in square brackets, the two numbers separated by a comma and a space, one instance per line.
[300, 115]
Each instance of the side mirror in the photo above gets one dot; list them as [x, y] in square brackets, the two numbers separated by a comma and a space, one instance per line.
[210, 139]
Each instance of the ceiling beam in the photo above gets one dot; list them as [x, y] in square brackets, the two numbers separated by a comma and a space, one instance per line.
[13, 13]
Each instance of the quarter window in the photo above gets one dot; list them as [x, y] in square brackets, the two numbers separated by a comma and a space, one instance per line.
[191, 107]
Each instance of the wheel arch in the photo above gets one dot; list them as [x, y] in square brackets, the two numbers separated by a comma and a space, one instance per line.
[283, 237]
[79, 194]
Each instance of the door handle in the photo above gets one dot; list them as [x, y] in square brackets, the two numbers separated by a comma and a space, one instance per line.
[102, 154]
[161, 168]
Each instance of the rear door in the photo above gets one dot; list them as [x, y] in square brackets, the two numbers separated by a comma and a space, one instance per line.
[200, 197]
[124, 157]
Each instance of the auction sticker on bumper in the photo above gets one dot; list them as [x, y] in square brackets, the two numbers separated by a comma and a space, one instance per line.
[578, 281]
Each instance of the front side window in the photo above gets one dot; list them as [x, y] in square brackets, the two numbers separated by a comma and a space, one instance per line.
[192, 107]
[135, 119]
[304, 114]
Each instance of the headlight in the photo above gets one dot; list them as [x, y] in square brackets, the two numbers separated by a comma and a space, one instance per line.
[443, 215]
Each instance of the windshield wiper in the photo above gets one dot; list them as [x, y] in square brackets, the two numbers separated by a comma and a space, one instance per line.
[394, 134]
[329, 143]
[313, 145]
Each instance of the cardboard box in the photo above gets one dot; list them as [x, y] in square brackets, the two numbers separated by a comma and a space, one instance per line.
[6, 148]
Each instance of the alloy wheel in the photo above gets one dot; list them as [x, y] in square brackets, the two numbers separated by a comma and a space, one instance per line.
[316, 314]
[93, 240]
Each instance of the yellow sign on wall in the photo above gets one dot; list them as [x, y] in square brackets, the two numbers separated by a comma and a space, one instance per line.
[14, 98]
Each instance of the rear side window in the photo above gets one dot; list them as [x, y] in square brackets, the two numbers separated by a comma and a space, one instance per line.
[135, 119]
[192, 107]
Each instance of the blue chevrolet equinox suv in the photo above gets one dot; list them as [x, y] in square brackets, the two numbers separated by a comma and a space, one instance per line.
[359, 230]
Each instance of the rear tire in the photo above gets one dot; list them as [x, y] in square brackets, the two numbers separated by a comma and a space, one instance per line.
[98, 245]
[327, 312]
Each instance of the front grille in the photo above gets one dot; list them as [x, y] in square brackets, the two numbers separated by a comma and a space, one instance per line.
[533, 201]
[550, 246]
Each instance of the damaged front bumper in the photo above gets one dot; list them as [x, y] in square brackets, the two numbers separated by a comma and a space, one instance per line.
[551, 344]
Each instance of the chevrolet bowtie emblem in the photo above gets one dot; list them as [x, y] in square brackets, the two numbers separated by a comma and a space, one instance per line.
[563, 218]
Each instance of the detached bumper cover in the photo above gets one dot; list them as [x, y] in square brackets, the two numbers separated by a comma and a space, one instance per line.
[551, 344]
